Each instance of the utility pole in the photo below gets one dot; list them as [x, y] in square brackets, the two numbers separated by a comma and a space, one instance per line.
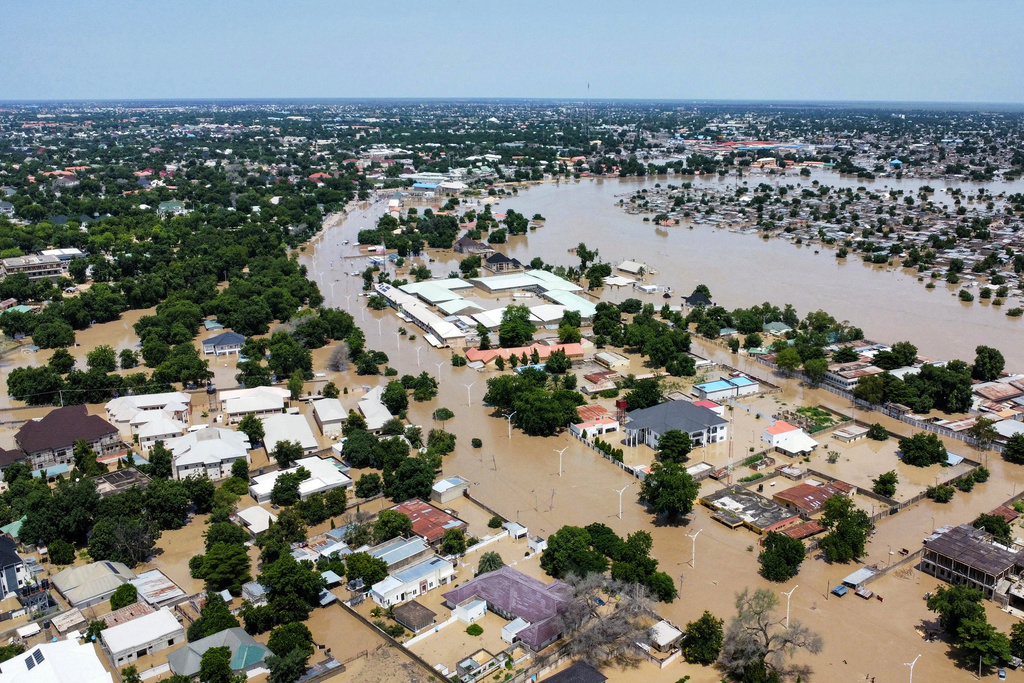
[439, 365]
[788, 596]
[398, 340]
[560, 466]
[911, 665]
[619, 491]
[693, 558]
[469, 396]
[509, 418]
[417, 349]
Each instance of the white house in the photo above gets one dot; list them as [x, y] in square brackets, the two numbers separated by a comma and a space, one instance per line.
[258, 401]
[648, 424]
[324, 476]
[255, 519]
[598, 427]
[142, 636]
[207, 452]
[373, 411]
[128, 412]
[330, 416]
[285, 427]
[412, 582]
[788, 439]
[727, 387]
[63, 661]
[223, 344]
[160, 428]
[470, 610]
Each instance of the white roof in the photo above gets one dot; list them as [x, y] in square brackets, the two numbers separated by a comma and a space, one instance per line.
[373, 410]
[253, 403]
[547, 312]
[208, 446]
[664, 633]
[489, 319]
[796, 441]
[254, 391]
[1008, 428]
[65, 661]
[80, 584]
[284, 427]
[324, 476]
[140, 631]
[256, 518]
[630, 266]
[330, 410]
[161, 427]
[123, 408]
[450, 483]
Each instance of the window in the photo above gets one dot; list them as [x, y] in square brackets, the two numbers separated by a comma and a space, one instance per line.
[170, 642]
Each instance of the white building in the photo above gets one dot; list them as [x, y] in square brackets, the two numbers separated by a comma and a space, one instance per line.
[142, 636]
[373, 411]
[324, 476]
[123, 411]
[285, 427]
[330, 416]
[727, 387]
[598, 427]
[258, 401]
[64, 661]
[255, 519]
[788, 439]
[207, 452]
[161, 428]
[412, 582]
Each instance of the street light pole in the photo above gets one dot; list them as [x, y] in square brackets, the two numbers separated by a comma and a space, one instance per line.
[619, 491]
[418, 355]
[439, 366]
[788, 596]
[469, 396]
[693, 557]
[911, 665]
[509, 418]
[560, 466]
[398, 340]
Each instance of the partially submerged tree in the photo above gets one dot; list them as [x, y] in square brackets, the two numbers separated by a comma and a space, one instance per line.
[757, 639]
[604, 620]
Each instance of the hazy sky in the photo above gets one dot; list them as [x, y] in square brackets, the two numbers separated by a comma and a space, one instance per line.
[928, 50]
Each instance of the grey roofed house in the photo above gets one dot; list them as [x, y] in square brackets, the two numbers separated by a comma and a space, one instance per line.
[92, 583]
[246, 653]
[698, 299]
[699, 422]
[580, 672]
[225, 342]
[509, 593]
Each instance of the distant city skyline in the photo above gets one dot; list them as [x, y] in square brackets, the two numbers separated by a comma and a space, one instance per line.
[895, 51]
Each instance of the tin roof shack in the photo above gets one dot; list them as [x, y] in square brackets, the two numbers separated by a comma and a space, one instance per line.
[969, 556]
[809, 497]
[511, 594]
[401, 552]
[428, 522]
[736, 506]
[414, 616]
[156, 589]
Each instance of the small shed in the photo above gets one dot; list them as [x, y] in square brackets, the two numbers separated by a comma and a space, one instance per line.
[470, 610]
[665, 637]
[859, 577]
[515, 530]
[509, 631]
[414, 616]
[449, 489]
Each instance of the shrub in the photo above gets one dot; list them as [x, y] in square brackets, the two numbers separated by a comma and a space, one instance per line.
[494, 523]
[477, 443]
[475, 629]
[942, 493]
[878, 432]
[981, 475]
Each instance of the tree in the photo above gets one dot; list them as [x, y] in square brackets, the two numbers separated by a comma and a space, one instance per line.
[240, 470]
[368, 485]
[983, 432]
[515, 329]
[102, 358]
[848, 529]
[61, 361]
[979, 641]
[290, 637]
[126, 594]
[295, 384]
[287, 669]
[1017, 639]
[214, 618]
[489, 562]
[955, 605]
[391, 524]
[160, 466]
[674, 446]
[123, 539]
[224, 532]
[604, 636]
[414, 478]
[988, 364]
[252, 427]
[885, 484]
[286, 487]
[395, 397]
[995, 525]
[366, 567]
[443, 414]
[788, 360]
[669, 489]
[293, 588]
[128, 359]
[644, 394]
[702, 642]
[815, 369]
[878, 432]
[870, 389]
[558, 363]
[453, 542]
[287, 453]
[61, 552]
[130, 674]
[1014, 450]
[330, 390]
[756, 640]
[922, 449]
[780, 560]
[226, 567]
[215, 666]
[569, 552]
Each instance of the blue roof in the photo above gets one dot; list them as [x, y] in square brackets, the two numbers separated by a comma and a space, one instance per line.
[741, 381]
[51, 471]
[426, 186]
[418, 571]
[720, 385]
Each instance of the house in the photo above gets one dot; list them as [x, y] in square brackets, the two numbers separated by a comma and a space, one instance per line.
[173, 207]
[401, 552]
[161, 428]
[698, 298]
[373, 410]
[9, 457]
[464, 245]
[412, 581]
[127, 413]
[499, 263]
[428, 522]
[736, 506]
[61, 661]
[777, 328]
[224, 344]
[592, 428]
[727, 387]
[963, 555]
[49, 441]
[255, 593]
[151, 633]
[37, 267]
[788, 439]
[325, 475]
[258, 401]
[286, 427]
[90, 584]
[511, 594]
[6, 209]
[208, 452]
[648, 424]
[246, 653]
[330, 416]
[632, 267]
[449, 489]
[580, 672]
[13, 572]
[846, 375]
[254, 519]
[611, 360]
[155, 589]
[665, 637]
[809, 497]
[414, 616]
